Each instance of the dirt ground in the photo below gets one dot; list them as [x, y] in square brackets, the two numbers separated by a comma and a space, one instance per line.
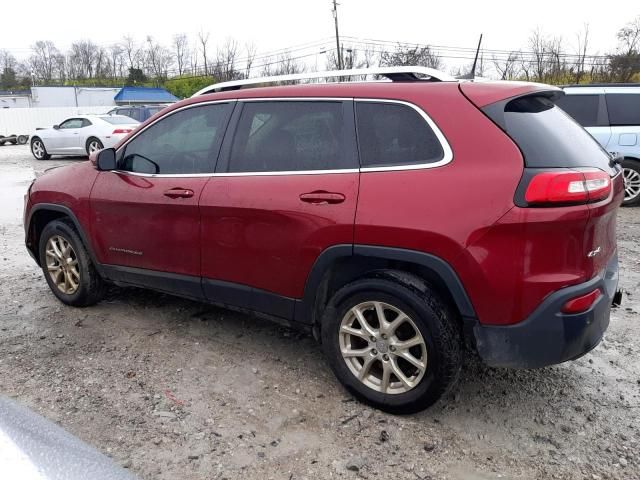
[172, 388]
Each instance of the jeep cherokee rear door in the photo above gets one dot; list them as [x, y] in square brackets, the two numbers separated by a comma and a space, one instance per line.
[285, 190]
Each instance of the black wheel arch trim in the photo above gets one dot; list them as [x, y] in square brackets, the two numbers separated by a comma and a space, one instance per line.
[54, 207]
[305, 307]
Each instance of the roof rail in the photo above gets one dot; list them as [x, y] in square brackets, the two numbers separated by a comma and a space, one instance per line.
[395, 74]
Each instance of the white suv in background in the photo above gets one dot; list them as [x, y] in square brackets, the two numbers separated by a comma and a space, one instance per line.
[611, 114]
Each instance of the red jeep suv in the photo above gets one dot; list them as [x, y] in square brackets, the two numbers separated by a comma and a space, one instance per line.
[403, 222]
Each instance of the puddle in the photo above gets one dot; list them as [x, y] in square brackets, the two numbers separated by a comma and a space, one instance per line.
[14, 180]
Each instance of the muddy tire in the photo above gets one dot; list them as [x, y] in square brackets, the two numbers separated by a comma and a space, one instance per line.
[392, 342]
[67, 266]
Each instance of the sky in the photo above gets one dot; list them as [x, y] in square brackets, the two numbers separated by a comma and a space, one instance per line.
[277, 24]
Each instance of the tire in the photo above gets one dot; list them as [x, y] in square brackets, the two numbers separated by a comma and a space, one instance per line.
[93, 145]
[23, 139]
[14, 140]
[430, 319]
[631, 171]
[38, 150]
[2, 140]
[89, 287]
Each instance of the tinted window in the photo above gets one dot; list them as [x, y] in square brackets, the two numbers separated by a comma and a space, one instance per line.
[71, 123]
[184, 142]
[547, 136]
[290, 136]
[624, 108]
[393, 134]
[583, 108]
[85, 123]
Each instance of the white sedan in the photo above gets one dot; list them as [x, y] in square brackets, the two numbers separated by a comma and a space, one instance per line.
[81, 135]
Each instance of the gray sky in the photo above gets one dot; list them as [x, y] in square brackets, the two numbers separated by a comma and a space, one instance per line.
[277, 24]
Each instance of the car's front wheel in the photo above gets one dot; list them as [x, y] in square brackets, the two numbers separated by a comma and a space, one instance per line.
[392, 342]
[631, 172]
[38, 150]
[93, 145]
[67, 266]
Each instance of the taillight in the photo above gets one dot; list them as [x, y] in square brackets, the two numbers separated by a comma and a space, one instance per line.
[582, 303]
[568, 187]
[122, 130]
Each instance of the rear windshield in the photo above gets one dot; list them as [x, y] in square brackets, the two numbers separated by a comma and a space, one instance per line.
[548, 137]
[119, 120]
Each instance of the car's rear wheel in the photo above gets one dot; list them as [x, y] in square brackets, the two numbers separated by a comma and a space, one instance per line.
[392, 342]
[67, 266]
[631, 172]
[93, 145]
[38, 150]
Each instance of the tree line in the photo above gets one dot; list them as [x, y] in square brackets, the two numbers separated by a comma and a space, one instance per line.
[187, 64]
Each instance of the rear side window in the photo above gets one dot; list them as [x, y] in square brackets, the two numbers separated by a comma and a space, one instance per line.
[185, 142]
[583, 108]
[391, 134]
[546, 135]
[624, 108]
[281, 136]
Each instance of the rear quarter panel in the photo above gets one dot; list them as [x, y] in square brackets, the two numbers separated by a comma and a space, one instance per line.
[444, 210]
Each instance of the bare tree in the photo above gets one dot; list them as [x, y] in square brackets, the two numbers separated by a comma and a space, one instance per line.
[226, 58]
[159, 59]
[538, 48]
[626, 62]
[204, 40]
[507, 68]
[581, 52]
[7, 61]
[411, 55]
[132, 52]
[116, 61]
[43, 60]
[181, 51]
[250, 50]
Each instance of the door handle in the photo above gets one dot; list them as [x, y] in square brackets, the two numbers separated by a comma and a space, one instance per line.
[322, 197]
[179, 193]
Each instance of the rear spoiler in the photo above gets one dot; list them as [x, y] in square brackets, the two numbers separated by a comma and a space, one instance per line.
[482, 94]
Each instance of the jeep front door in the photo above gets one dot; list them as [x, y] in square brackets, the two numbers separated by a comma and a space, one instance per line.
[145, 213]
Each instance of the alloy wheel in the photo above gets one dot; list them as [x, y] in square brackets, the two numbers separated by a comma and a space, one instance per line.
[62, 264]
[38, 149]
[94, 146]
[383, 347]
[631, 184]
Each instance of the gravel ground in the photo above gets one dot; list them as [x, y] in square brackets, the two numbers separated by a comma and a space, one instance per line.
[172, 388]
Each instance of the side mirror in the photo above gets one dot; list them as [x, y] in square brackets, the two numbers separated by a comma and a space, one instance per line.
[104, 160]
[56, 127]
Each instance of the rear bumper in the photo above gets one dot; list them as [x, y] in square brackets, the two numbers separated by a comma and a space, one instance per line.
[548, 336]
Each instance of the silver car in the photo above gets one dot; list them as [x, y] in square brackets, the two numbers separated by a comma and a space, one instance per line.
[611, 114]
[81, 135]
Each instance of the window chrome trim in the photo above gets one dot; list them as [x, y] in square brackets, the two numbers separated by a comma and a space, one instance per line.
[446, 148]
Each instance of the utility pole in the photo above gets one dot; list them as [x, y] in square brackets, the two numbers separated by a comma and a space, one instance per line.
[335, 19]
